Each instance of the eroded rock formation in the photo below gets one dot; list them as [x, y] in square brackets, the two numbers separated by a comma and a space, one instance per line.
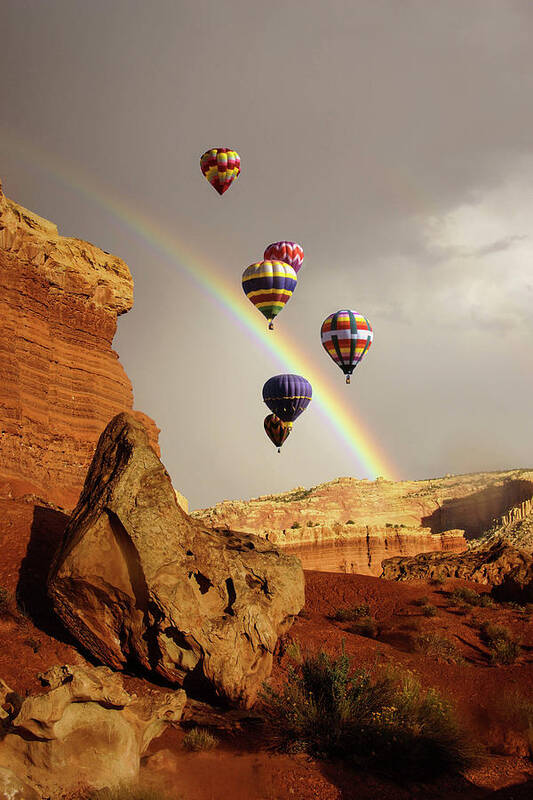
[137, 580]
[86, 732]
[60, 380]
[349, 508]
[499, 564]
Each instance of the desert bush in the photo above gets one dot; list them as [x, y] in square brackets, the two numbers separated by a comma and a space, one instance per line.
[350, 522]
[296, 525]
[199, 739]
[504, 648]
[436, 581]
[350, 614]
[471, 598]
[421, 601]
[365, 626]
[126, 792]
[439, 647]
[384, 722]
[4, 600]
[429, 611]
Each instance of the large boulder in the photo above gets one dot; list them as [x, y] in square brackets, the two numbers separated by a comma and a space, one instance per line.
[86, 731]
[138, 582]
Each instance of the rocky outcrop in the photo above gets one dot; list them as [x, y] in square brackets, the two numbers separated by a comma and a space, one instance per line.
[60, 380]
[86, 732]
[496, 564]
[363, 553]
[349, 508]
[137, 581]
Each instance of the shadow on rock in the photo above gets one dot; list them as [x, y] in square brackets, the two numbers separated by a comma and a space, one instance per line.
[46, 536]
[476, 512]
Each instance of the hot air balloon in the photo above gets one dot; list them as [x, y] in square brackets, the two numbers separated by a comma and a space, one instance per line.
[220, 166]
[287, 396]
[276, 431]
[269, 285]
[290, 252]
[346, 337]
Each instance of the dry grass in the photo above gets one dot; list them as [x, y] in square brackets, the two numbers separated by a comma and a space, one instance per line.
[126, 792]
[438, 647]
[351, 614]
[199, 739]
[504, 648]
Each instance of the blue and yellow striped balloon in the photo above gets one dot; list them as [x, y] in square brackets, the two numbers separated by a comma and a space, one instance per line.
[269, 285]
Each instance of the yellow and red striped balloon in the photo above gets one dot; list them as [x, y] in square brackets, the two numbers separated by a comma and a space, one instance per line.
[220, 166]
[346, 337]
[269, 285]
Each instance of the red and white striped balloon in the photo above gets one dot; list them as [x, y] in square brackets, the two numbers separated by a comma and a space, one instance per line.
[291, 253]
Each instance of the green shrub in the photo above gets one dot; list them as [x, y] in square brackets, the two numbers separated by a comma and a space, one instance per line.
[503, 647]
[429, 611]
[471, 598]
[438, 647]
[199, 739]
[351, 614]
[385, 723]
[365, 626]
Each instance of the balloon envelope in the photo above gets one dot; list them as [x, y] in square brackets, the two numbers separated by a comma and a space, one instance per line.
[290, 252]
[276, 431]
[221, 166]
[346, 337]
[269, 285]
[287, 396]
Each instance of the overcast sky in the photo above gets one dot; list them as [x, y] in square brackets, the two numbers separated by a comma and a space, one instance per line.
[392, 138]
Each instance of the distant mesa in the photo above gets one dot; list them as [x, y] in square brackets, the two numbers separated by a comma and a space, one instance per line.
[351, 525]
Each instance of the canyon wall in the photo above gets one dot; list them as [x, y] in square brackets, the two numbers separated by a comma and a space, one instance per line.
[351, 525]
[60, 380]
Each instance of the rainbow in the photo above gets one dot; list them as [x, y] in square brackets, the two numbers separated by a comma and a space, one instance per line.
[292, 358]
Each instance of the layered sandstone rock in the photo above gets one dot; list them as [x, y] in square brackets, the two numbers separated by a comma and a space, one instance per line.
[138, 581]
[348, 508]
[86, 732]
[60, 380]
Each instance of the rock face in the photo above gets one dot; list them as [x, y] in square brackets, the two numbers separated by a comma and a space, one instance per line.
[364, 551]
[60, 380]
[347, 508]
[87, 731]
[497, 564]
[136, 580]
[350, 525]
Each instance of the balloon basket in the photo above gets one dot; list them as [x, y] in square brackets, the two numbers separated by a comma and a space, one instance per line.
[271, 326]
[279, 449]
[347, 379]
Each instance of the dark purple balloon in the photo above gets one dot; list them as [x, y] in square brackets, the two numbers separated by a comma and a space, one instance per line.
[287, 396]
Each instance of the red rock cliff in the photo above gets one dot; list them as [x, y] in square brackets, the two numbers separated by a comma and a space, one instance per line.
[60, 380]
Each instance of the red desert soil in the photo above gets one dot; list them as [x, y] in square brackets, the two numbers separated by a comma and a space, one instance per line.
[243, 766]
